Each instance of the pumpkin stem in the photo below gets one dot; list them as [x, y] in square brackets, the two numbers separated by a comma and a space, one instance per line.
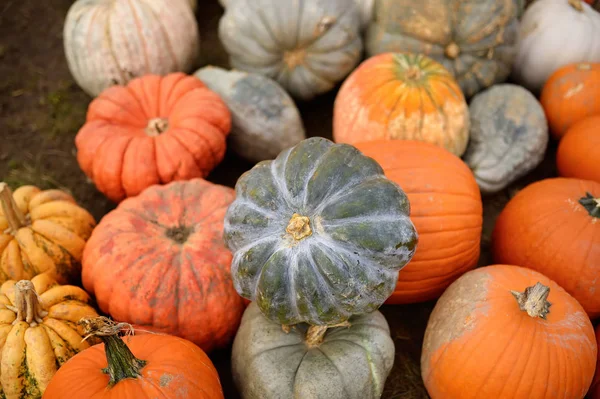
[591, 204]
[316, 334]
[293, 58]
[12, 213]
[534, 300]
[576, 4]
[122, 364]
[299, 227]
[452, 50]
[156, 126]
[28, 305]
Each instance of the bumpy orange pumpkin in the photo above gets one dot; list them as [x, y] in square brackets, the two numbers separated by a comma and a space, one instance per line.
[41, 232]
[553, 226]
[445, 207]
[154, 130]
[158, 261]
[402, 96]
[578, 153]
[507, 332]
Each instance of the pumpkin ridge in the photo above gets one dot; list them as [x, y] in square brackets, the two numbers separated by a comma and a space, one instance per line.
[111, 50]
[161, 26]
[211, 150]
[139, 34]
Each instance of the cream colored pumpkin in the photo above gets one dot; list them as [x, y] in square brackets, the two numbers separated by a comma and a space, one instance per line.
[109, 42]
[554, 33]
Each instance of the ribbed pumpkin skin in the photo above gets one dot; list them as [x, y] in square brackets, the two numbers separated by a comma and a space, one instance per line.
[508, 138]
[545, 228]
[351, 362]
[445, 207]
[360, 234]
[480, 344]
[32, 354]
[474, 39]
[152, 131]
[111, 42]
[145, 269]
[594, 392]
[578, 153]
[307, 46]
[403, 97]
[571, 95]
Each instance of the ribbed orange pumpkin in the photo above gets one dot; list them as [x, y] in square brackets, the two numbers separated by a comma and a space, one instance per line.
[570, 95]
[445, 207]
[159, 261]
[578, 153]
[152, 131]
[402, 96]
[507, 332]
[594, 392]
[553, 226]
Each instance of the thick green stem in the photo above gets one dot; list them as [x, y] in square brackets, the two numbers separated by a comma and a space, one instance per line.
[591, 204]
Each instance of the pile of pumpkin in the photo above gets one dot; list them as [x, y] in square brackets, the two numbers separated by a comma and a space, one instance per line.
[317, 235]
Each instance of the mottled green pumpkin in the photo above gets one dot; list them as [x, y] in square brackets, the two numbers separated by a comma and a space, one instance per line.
[318, 234]
[349, 363]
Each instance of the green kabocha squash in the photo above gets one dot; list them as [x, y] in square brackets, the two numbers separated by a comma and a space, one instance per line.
[350, 362]
[474, 39]
[318, 234]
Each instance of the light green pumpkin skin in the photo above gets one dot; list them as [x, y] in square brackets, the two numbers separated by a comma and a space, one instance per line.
[360, 234]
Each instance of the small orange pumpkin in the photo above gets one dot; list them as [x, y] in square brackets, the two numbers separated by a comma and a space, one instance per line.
[553, 226]
[445, 207]
[578, 152]
[154, 130]
[507, 332]
[402, 96]
[570, 95]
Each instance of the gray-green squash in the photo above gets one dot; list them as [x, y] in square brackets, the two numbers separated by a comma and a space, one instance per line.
[307, 46]
[350, 362]
[265, 120]
[474, 39]
[508, 136]
[318, 235]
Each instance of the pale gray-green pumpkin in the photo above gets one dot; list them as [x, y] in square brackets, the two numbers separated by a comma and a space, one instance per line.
[264, 118]
[318, 235]
[508, 136]
[350, 362]
[308, 46]
[474, 39]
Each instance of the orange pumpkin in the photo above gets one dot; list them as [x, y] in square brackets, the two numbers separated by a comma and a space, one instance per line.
[158, 261]
[445, 207]
[570, 95]
[152, 131]
[594, 392]
[140, 366]
[578, 152]
[507, 332]
[402, 96]
[553, 226]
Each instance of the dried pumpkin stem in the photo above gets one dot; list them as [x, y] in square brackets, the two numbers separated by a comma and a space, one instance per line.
[316, 334]
[591, 204]
[452, 50]
[576, 4]
[299, 227]
[156, 126]
[122, 364]
[13, 214]
[28, 305]
[534, 300]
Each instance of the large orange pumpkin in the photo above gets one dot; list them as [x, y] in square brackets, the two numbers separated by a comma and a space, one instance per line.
[140, 366]
[595, 388]
[154, 130]
[402, 96]
[445, 207]
[158, 261]
[578, 152]
[570, 95]
[507, 332]
[553, 226]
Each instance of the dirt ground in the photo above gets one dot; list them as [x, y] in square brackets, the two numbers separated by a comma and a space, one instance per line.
[41, 109]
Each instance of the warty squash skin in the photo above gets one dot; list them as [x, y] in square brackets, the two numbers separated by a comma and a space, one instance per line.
[307, 46]
[507, 332]
[265, 119]
[41, 231]
[474, 39]
[158, 261]
[38, 332]
[509, 136]
[578, 153]
[318, 234]
[110, 42]
[350, 363]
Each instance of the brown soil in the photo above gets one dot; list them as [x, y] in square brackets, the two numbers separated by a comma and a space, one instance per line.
[41, 109]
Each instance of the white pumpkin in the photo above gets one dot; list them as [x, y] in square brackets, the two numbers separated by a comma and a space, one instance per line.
[554, 33]
[110, 42]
